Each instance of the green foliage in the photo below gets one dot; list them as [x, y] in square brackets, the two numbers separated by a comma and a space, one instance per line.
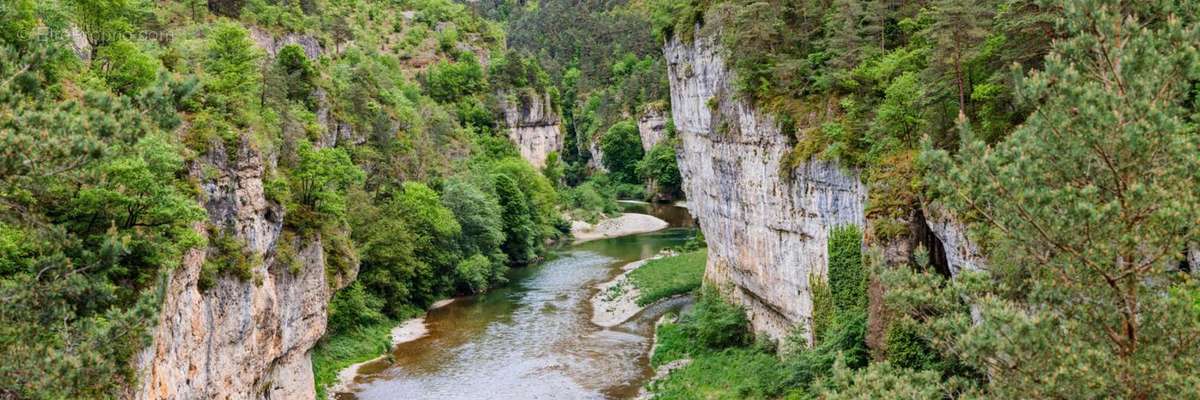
[125, 68]
[17, 20]
[847, 276]
[450, 81]
[91, 218]
[231, 78]
[320, 180]
[521, 242]
[660, 166]
[354, 307]
[716, 324]
[622, 147]
[337, 352]
[554, 169]
[664, 277]
[1084, 209]
[105, 21]
[513, 70]
[823, 312]
[906, 348]
[299, 73]
[588, 202]
[227, 255]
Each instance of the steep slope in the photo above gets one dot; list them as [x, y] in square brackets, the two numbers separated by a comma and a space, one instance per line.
[241, 338]
[767, 225]
[532, 124]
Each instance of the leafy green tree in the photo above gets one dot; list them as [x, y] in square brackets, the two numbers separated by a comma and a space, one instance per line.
[449, 81]
[126, 68]
[959, 27]
[321, 178]
[107, 21]
[479, 215]
[17, 20]
[91, 217]
[521, 238]
[232, 80]
[661, 167]
[300, 75]
[622, 147]
[554, 169]
[1086, 208]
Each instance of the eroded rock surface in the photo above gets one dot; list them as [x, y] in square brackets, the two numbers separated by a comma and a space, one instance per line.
[240, 339]
[532, 125]
[767, 225]
[652, 127]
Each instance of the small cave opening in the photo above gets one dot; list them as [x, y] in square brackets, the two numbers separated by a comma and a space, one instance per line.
[925, 238]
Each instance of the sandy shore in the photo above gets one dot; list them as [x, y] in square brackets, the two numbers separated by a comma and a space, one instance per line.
[407, 331]
[616, 301]
[626, 224]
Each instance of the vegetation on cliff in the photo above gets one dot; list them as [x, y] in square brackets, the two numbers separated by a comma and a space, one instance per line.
[369, 121]
[1064, 134]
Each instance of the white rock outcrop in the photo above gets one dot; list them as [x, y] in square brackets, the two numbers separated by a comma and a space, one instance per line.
[767, 226]
[652, 127]
[240, 339]
[532, 125]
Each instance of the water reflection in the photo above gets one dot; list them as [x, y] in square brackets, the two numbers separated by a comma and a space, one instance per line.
[534, 338]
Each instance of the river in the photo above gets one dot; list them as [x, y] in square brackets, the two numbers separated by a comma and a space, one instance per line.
[533, 338]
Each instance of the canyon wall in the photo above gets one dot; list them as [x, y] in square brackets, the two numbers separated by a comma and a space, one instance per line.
[240, 338]
[237, 338]
[652, 127]
[532, 125]
[767, 225]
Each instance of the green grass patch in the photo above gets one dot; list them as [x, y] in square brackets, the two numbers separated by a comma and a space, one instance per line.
[735, 373]
[669, 276]
[336, 352]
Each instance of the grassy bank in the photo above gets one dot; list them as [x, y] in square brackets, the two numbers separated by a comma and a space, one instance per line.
[728, 362]
[337, 351]
[669, 276]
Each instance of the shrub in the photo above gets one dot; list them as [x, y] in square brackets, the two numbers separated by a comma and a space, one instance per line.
[125, 68]
[622, 146]
[449, 81]
[717, 324]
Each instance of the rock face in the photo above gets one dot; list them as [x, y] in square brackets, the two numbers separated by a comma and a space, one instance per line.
[767, 226]
[652, 126]
[961, 254]
[240, 339]
[532, 125]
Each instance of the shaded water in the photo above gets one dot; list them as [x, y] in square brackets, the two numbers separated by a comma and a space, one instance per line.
[534, 339]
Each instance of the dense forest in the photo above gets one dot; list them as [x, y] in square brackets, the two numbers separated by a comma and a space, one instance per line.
[1063, 133]
[118, 114]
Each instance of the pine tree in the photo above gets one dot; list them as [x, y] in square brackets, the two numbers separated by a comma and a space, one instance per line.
[958, 28]
[1085, 209]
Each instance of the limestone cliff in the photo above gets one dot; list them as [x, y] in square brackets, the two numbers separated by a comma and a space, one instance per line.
[532, 125]
[652, 126]
[239, 338]
[767, 225]
[245, 338]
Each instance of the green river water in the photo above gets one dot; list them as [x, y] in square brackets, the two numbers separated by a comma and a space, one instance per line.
[533, 339]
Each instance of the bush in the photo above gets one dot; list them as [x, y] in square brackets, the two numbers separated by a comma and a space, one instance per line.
[588, 203]
[125, 68]
[622, 146]
[661, 167]
[447, 82]
[717, 324]
[354, 307]
[847, 277]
